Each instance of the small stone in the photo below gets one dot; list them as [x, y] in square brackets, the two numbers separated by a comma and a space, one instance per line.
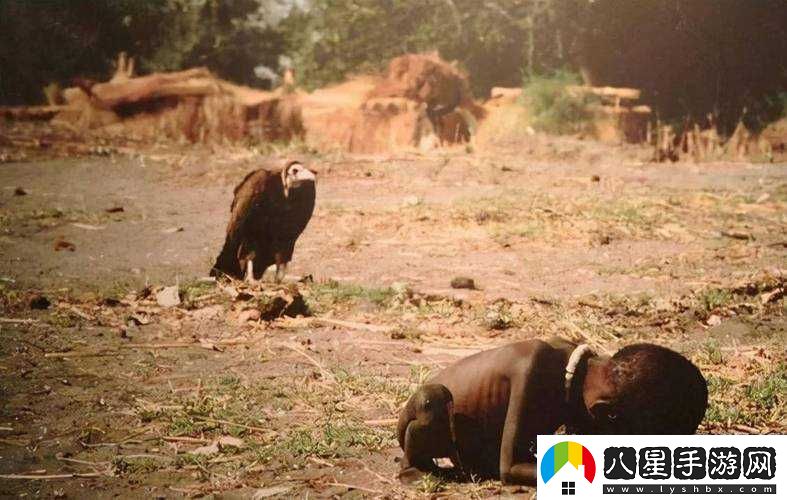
[20, 191]
[168, 297]
[463, 282]
[411, 201]
[210, 449]
[230, 441]
[249, 315]
[61, 244]
[713, 320]
[39, 302]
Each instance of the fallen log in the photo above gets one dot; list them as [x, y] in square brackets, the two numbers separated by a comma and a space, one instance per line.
[30, 113]
[195, 81]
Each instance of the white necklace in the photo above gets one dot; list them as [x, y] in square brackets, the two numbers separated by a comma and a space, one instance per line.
[573, 361]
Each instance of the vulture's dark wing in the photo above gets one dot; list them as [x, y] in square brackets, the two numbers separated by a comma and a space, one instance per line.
[250, 209]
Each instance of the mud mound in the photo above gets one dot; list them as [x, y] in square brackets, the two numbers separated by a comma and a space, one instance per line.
[388, 125]
[421, 102]
[775, 135]
[506, 120]
[424, 78]
[331, 114]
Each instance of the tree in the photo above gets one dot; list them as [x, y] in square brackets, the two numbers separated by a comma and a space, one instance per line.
[56, 40]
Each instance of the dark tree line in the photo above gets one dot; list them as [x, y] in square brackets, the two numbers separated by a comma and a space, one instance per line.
[43, 41]
[690, 57]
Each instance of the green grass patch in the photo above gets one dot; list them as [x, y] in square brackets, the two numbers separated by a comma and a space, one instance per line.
[136, 465]
[191, 291]
[332, 439]
[10, 298]
[759, 401]
[770, 391]
[554, 109]
[715, 298]
[430, 484]
[711, 351]
[333, 292]
[374, 386]
[721, 411]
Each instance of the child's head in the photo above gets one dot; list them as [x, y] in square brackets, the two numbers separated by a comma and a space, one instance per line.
[650, 390]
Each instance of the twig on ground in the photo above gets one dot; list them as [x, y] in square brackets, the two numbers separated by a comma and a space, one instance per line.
[185, 439]
[376, 474]
[227, 422]
[82, 462]
[16, 321]
[382, 422]
[167, 345]
[354, 487]
[325, 373]
[352, 325]
[357, 326]
[127, 439]
[320, 461]
[50, 476]
[746, 429]
[146, 455]
[79, 313]
[79, 354]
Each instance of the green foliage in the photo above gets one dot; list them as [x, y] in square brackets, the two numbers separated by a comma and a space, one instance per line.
[333, 440]
[191, 291]
[56, 40]
[333, 292]
[430, 484]
[122, 465]
[715, 298]
[752, 403]
[770, 392]
[491, 40]
[712, 352]
[220, 34]
[554, 109]
[689, 57]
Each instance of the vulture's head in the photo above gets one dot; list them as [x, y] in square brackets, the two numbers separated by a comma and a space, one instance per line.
[296, 176]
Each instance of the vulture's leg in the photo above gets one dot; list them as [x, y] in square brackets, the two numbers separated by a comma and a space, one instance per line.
[281, 270]
[250, 271]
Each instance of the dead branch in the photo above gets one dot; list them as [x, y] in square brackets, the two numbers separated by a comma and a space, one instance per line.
[32, 477]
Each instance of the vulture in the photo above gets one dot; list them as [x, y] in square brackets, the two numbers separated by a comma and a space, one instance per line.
[268, 213]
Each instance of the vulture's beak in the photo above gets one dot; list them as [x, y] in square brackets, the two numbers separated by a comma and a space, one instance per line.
[303, 176]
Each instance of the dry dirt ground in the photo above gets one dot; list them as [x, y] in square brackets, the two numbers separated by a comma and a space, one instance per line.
[107, 393]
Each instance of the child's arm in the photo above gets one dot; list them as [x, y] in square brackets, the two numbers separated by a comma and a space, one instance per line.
[518, 402]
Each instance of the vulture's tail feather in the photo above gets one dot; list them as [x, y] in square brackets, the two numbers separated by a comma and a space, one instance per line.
[227, 262]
